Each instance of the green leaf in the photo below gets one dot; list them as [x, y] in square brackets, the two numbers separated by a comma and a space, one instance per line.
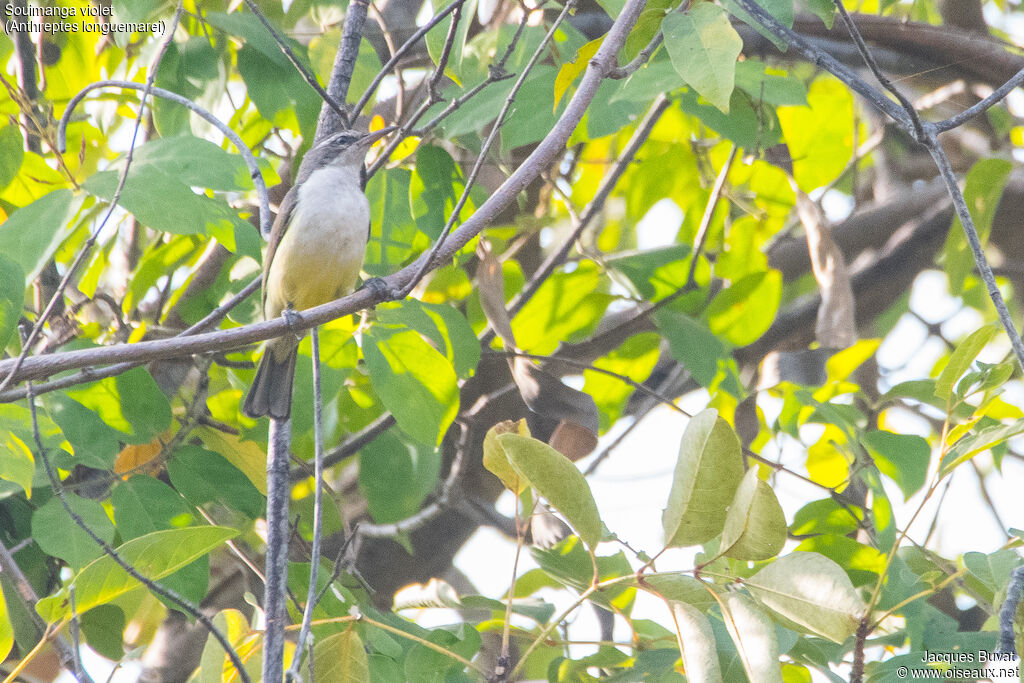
[143, 404]
[341, 658]
[982, 190]
[693, 345]
[495, 460]
[754, 635]
[203, 476]
[12, 298]
[565, 308]
[17, 464]
[393, 230]
[755, 526]
[696, 643]
[154, 556]
[95, 444]
[195, 162]
[144, 504]
[813, 592]
[766, 84]
[707, 473]
[445, 327]
[820, 136]
[32, 234]
[903, 458]
[415, 382]
[558, 480]
[437, 36]
[635, 359]
[961, 358]
[432, 190]
[162, 201]
[12, 153]
[103, 627]
[703, 47]
[823, 9]
[979, 441]
[745, 311]
[826, 516]
[396, 477]
[59, 535]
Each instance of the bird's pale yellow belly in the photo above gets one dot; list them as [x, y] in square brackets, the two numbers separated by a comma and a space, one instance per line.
[319, 258]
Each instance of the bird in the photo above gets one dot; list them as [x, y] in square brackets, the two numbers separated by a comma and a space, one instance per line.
[314, 255]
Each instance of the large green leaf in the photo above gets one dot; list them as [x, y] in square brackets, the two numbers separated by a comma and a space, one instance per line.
[811, 591]
[708, 470]
[558, 480]
[154, 556]
[415, 382]
[95, 444]
[704, 46]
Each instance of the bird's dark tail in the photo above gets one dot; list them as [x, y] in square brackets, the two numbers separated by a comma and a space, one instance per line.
[271, 391]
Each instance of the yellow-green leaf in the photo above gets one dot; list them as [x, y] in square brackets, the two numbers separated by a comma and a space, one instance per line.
[708, 470]
[557, 480]
[755, 527]
[154, 556]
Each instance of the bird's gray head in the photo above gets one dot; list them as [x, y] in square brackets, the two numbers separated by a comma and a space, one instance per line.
[346, 148]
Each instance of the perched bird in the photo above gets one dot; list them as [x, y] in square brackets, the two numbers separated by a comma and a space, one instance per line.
[314, 255]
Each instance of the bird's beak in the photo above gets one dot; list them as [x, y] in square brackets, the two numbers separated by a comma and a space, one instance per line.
[378, 134]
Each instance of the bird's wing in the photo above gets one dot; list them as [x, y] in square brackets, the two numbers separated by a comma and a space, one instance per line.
[284, 215]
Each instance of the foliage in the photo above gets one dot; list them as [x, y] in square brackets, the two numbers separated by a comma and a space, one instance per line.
[646, 265]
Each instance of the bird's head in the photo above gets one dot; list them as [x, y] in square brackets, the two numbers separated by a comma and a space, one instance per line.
[347, 148]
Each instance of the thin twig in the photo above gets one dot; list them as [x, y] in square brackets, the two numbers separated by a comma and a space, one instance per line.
[23, 588]
[980, 260]
[994, 98]
[1008, 612]
[641, 58]
[305, 640]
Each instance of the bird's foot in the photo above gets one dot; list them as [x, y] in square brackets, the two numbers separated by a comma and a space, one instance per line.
[293, 320]
[381, 289]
